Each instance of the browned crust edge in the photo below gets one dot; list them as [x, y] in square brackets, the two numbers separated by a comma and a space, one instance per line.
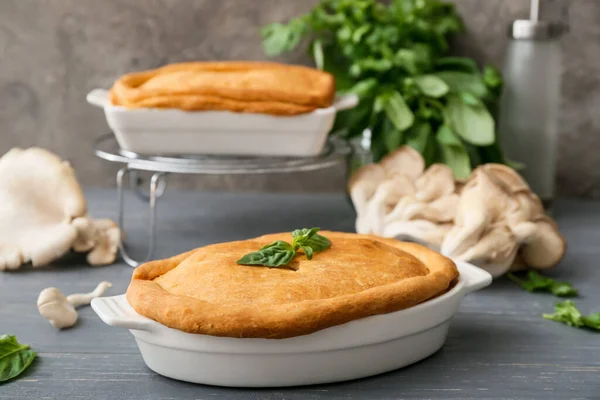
[288, 320]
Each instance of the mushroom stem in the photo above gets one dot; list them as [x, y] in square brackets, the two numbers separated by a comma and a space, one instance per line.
[82, 299]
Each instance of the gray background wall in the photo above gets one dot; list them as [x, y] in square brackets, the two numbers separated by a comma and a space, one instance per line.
[53, 52]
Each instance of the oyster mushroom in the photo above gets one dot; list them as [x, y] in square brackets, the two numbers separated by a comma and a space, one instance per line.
[436, 182]
[481, 203]
[362, 186]
[542, 245]
[388, 193]
[495, 251]
[421, 231]
[40, 197]
[61, 311]
[498, 215]
[406, 161]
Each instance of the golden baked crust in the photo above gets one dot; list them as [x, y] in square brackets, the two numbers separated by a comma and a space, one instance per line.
[255, 87]
[205, 291]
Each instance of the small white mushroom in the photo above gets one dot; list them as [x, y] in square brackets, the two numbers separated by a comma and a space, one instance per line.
[83, 299]
[100, 237]
[60, 310]
[53, 306]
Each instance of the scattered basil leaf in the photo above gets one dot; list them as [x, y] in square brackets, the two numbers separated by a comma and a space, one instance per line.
[534, 281]
[567, 313]
[14, 357]
[398, 112]
[474, 124]
[431, 85]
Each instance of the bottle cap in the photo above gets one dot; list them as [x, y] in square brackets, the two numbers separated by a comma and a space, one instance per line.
[525, 29]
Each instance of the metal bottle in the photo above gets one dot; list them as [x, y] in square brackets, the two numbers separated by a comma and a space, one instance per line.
[529, 108]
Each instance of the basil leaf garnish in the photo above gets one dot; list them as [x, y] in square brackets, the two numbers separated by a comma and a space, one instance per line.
[275, 254]
[14, 357]
[281, 253]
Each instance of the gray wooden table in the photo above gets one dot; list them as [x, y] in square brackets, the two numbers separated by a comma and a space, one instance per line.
[498, 346]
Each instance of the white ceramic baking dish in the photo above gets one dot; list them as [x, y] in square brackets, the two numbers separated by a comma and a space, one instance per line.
[172, 131]
[357, 349]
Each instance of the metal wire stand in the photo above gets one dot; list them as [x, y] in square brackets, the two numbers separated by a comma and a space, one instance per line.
[106, 147]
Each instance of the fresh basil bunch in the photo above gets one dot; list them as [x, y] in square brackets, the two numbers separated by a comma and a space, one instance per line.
[395, 58]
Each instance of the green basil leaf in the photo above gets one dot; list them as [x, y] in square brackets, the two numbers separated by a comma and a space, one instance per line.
[418, 135]
[358, 34]
[453, 152]
[317, 50]
[364, 88]
[447, 137]
[469, 99]
[308, 251]
[535, 281]
[392, 137]
[592, 321]
[431, 85]
[566, 313]
[301, 236]
[463, 82]
[492, 77]
[276, 254]
[474, 124]
[14, 357]
[318, 243]
[278, 38]
[457, 63]
[398, 112]
[457, 159]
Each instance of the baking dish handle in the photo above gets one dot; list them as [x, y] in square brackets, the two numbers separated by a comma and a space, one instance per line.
[116, 311]
[345, 102]
[474, 277]
[98, 97]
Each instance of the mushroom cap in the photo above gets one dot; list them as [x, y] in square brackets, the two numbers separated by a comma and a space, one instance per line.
[436, 182]
[543, 246]
[507, 177]
[40, 197]
[53, 306]
[406, 161]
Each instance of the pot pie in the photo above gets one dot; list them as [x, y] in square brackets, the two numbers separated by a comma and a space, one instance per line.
[252, 87]
[205, 291]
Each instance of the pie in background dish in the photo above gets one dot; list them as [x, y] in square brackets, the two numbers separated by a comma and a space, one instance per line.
[205, 291]
[252, 87]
